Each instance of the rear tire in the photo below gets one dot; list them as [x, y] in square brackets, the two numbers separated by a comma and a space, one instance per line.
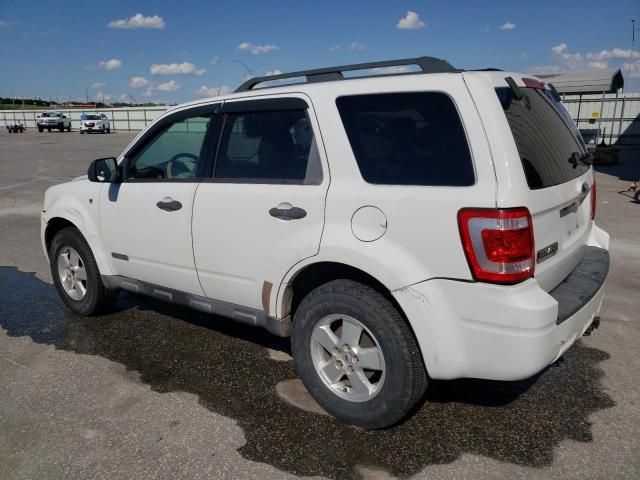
[76, 274]
[48, 130]
[384, 375]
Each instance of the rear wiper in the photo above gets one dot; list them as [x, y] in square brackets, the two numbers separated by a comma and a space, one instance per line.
[584, 158]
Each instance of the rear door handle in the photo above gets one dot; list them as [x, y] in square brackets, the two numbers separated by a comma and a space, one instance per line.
[286, 211]
[169, 205]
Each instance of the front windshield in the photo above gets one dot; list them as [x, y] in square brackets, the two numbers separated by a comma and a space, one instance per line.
[92, 117]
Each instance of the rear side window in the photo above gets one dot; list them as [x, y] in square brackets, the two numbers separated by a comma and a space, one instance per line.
[268, 147]
[545, 137]
[412, 138]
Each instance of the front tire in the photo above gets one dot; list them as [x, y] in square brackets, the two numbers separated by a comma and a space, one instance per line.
[356, 355]
[76, 275]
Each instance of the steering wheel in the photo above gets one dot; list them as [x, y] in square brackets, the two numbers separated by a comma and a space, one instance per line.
[175, 166]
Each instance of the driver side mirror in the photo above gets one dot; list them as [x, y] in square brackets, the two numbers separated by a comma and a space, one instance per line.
[104, 170]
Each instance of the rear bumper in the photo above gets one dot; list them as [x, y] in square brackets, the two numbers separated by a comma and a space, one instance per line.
[480, 330]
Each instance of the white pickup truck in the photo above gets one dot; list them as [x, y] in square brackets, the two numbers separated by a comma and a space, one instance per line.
[53, 120]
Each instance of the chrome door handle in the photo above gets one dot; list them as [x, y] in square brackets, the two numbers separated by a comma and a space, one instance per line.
[169, 205]
[292, 213]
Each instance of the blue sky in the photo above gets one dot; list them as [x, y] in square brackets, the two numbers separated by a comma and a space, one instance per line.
[178, 51]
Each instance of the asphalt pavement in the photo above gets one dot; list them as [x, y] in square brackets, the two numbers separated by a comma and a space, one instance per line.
[158, 391]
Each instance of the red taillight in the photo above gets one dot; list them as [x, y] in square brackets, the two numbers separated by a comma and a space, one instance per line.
[498, 243]
[593, 200]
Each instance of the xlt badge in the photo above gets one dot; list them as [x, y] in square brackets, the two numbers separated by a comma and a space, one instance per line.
[546, 252]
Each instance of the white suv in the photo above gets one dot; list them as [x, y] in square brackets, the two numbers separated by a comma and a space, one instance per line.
[94, 122]
[401, 227]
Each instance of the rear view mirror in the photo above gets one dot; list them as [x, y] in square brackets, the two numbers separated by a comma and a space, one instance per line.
[104, 170]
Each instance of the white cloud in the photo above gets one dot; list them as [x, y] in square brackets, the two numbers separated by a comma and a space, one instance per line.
[138, 82]
[205, 91]
[599, 64]
[112, 64]
[507, 26]
[124, 98]
[138, 21]
[614, 53]
[98, 85]
[103, 97]
[215, 60]
[257, 49]
[543, 69]
[570, 61]
[559, 49]
[411, 21]
[350, 46]
[170, 86]
[564, 59]
[5, 25]
[184, 68]
[633, 69]
[273, 72]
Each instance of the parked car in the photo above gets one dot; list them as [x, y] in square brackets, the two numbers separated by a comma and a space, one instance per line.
[95, 122]
[399, 227]
[51, 120]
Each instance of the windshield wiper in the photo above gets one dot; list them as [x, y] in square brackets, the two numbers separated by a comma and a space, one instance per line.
[584, 158]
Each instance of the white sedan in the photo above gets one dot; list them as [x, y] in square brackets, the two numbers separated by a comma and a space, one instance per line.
[97, 122]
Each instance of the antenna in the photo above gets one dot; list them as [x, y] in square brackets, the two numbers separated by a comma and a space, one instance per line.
[633, 43]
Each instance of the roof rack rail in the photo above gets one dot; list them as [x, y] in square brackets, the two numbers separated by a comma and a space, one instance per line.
[426, 64]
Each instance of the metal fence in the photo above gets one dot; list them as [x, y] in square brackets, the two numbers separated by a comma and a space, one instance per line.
[123, 119]
[612, 118]
[609, 118]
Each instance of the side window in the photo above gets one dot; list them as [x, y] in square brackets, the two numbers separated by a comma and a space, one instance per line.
[173, 154]
[268, 147]
[413, 138]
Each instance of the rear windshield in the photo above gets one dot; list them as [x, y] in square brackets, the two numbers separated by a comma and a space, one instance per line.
[545, 137]
[413, 138]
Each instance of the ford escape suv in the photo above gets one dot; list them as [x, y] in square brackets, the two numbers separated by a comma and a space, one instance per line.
[433, 224]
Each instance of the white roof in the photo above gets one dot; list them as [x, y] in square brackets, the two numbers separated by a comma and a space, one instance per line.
[585, 81]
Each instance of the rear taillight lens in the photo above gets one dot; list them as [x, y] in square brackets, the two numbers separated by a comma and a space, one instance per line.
[593, 200]
[498, 243]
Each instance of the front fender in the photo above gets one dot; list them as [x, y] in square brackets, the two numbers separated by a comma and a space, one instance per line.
[80, 207]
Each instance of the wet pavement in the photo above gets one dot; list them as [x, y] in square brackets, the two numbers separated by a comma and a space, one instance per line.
[158, 391]
[229, 369]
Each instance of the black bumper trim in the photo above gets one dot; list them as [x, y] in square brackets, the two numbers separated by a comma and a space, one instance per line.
[575, 291]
